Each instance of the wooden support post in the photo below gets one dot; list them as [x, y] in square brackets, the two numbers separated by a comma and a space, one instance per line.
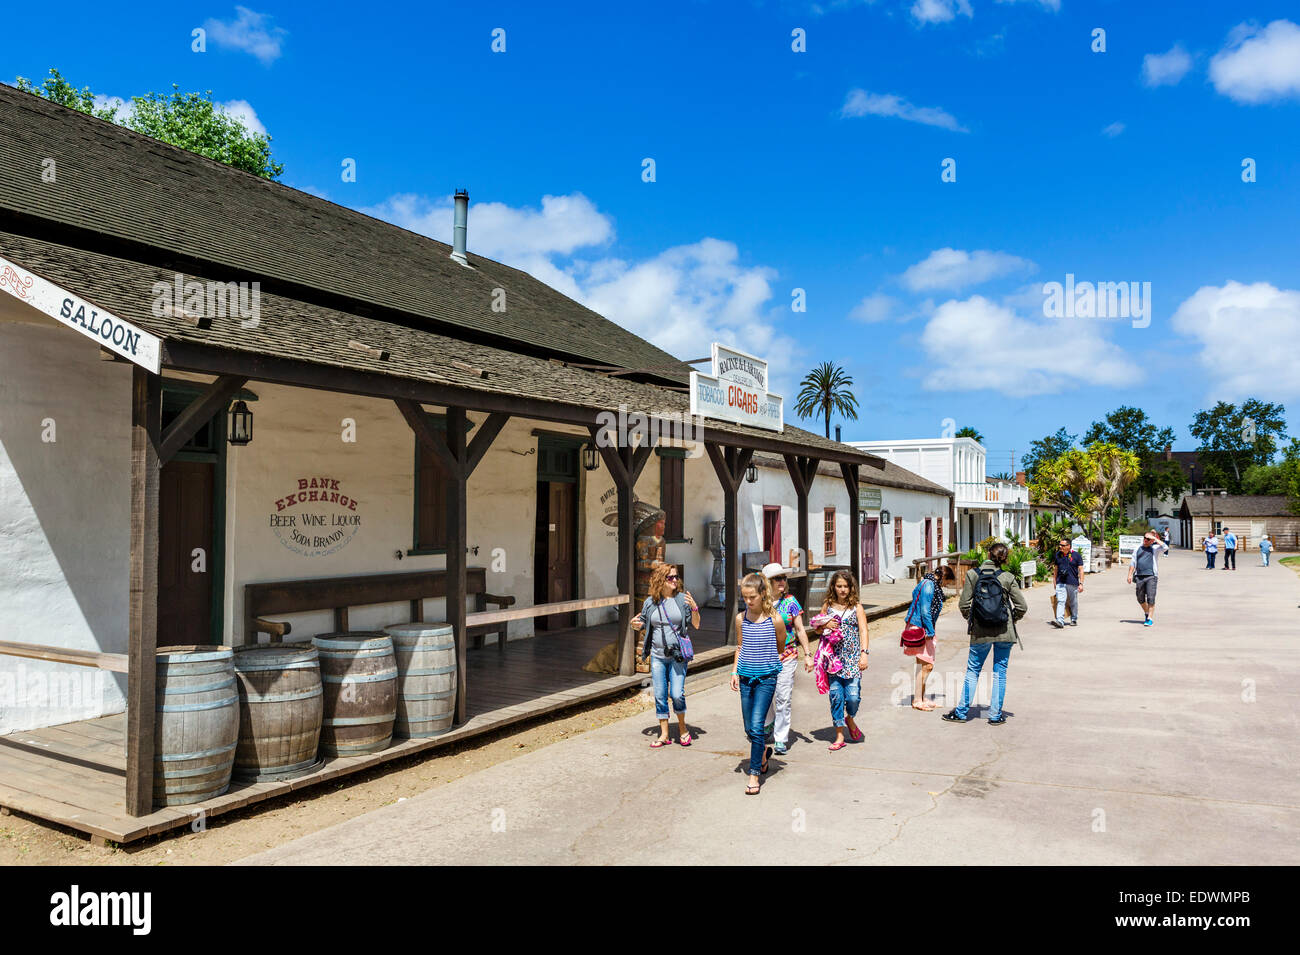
[802, 471]
[730, 465]
[146, 423]
[850, 474]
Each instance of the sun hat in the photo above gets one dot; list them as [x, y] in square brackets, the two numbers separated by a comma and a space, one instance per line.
[773, 569]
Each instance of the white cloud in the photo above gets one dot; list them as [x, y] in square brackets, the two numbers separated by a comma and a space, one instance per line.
[677, 299]
[1243, 331]
[1113, 130]
[953, 269]
[977, 344]
[877, 307]
[124, 107]
[1053, 5]
[1166, 69]
[1259, 65]
[250, 33]
[940, 11]
[861, 103]
[241, 110]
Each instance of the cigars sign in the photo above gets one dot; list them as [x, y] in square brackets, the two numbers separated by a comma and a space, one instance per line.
[317, 518]
[737, 391]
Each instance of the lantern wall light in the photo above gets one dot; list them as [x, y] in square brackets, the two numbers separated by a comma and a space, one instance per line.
[241, 424]
[751, 474]
[589, 457]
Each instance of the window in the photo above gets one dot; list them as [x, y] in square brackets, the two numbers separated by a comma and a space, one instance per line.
[898, 536]
[828, 523]
[672, 491]
[938, 545]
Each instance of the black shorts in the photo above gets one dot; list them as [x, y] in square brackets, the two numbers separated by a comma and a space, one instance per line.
[1146, 589]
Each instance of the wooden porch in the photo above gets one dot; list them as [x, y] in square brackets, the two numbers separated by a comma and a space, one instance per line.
[74, 774]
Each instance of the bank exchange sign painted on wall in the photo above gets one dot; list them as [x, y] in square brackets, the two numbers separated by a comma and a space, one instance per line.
[737, 391]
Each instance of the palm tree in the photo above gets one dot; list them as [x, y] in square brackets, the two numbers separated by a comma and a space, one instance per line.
[969, 432]
[825, 389]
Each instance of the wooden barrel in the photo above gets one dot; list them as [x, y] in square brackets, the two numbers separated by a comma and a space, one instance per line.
[280, 708]
[359, 677]
[426, 678]
[197, 724]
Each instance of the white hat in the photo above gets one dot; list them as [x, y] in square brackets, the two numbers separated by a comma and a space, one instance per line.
[773, 569]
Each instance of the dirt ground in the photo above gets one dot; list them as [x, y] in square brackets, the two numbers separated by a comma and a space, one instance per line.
[26, 841]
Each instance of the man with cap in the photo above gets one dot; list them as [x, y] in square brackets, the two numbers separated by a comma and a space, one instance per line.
[1143, 570]
[785, 604]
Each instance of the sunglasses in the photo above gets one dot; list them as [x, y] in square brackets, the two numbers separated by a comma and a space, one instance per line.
[672, 577]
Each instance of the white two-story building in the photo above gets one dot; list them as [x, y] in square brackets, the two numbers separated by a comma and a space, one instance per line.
[982, 506]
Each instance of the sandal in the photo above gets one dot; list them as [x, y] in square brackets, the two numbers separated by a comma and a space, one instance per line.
[856, 736]
[660, 742]
[751, 790]
[834, 746]
[685, 740]
[767, 754]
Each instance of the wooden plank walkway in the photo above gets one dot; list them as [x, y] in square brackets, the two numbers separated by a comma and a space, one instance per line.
[75, 774]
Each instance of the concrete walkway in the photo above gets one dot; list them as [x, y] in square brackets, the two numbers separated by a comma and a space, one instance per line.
[1174, 744]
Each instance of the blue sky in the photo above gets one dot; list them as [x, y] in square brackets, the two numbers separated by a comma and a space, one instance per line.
[817, 170]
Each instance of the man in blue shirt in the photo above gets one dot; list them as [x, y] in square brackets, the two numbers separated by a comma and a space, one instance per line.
[1143, 570]
[1229, 549]
[1067, 565]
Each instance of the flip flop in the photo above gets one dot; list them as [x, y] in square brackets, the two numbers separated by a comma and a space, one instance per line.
[856, 736]
[685, 740]
[834, 746]
[660, 742]
[751, 790]
[767, 754]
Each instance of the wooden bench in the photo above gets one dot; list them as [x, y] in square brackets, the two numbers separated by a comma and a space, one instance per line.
[340, 593]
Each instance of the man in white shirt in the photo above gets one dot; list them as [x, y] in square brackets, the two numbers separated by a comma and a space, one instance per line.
[1211, 547]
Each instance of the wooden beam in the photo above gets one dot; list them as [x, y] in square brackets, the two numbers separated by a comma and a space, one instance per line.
[457, 543]
[199, 412]
[541, 610]
[850, 474]
[610, 455]
[117, 662]
[146, 423]
[483, 440]
[429, 436]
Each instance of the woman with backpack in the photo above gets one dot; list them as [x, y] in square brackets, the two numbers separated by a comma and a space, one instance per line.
[918, 633]
[842, 611]
[663, 616]
[760, 641]
[991, 600]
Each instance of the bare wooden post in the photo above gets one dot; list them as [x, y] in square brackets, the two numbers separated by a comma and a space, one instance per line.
[457, 544]
[850, 474]
[802, 471]
[730, 465]
[146, 423]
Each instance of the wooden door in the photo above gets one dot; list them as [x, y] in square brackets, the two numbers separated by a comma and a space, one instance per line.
[561, 541]
[870, 550]
[929, 540]
[185, 505]
[772, 533]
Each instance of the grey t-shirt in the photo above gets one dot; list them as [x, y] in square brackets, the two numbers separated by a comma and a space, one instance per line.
[658, 616]
[1144, 560]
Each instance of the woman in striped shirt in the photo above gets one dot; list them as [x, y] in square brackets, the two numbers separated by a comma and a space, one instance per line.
[760, 641]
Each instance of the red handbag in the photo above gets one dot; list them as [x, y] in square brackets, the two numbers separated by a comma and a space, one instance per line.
[913, 637]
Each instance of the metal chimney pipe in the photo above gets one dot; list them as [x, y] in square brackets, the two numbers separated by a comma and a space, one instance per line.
[837, 432]
[460, 226]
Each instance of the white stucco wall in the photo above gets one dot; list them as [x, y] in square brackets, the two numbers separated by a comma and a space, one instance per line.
[64, 518]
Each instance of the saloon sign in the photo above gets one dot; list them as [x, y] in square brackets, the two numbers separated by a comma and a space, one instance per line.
[121, 337]
[737, 391]
[317, 517]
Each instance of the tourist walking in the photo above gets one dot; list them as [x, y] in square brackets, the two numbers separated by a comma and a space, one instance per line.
[1265, 548]
[787, 608]
[918, 634]
[664, 617]
[1067, 568]
[991, 600]
[760, 641]
[842, 652]
[1211, 547]
[1166, 538]
[1229, 549]
[1143, 570]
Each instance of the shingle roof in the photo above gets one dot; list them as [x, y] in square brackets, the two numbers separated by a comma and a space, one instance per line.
[154, 197]
[300, 331]
[1239, 505]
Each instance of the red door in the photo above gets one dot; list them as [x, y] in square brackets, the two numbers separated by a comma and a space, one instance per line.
[870, 549]
[185, 492]
[929, 540]
[772, 534]
[561, 538]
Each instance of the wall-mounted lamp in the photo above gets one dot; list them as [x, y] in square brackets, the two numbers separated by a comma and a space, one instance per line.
[241, 424]
[751, 474]
[589, 457]
[884, 517]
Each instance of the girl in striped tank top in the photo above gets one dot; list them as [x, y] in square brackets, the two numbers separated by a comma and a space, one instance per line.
[760, 641]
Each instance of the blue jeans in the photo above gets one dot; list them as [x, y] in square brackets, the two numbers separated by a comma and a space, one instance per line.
[1264, 555]
[974, 664]
[1067, 597]
[664, 673]
[845, 695]
[756, 694]
[1209, 560]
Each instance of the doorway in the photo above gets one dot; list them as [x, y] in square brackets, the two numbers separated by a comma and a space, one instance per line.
[555, 564]
[772, 534]
[191, 529]
[929, 539]
[870, 550]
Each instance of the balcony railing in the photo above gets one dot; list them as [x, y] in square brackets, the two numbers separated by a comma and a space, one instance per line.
[980, 492]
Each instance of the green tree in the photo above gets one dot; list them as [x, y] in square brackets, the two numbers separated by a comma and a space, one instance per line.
[825, 389]
[1130, 428]
[1084, 481]
[191, 121]
[1232, 439]
[1052, 446]
[969, 432]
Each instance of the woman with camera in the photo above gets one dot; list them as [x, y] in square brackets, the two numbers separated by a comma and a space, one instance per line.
[663, 616]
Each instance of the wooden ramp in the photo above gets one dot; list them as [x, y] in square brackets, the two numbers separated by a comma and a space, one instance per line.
[75, 774]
